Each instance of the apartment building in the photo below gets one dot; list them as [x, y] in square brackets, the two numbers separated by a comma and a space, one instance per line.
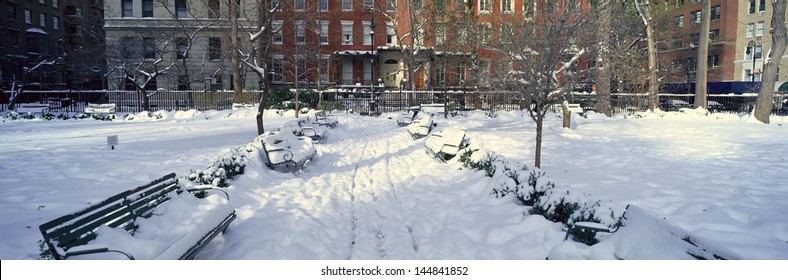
[31, 31]
[753, 25]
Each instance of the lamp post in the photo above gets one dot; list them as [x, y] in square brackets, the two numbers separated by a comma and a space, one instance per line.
[751, 51]
[372, 56]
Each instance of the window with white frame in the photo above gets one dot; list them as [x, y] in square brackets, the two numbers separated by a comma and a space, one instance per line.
[325, 66]
[368, 5]
[277, 69]
[276, 29]
[484, 6]
[713, 61]
[440, 34]
[180, 9]
[750, 30]
[759, 28]
[529, 9]
[391, 33]
[714, 34]
[55, 4]
[28, 16]
[752, 6]
[56, 23]
[42, 2]
[299, 5]
[42, 19]
[367, 32]
[347, 5]
[695, 17]
[485, 33]
[147, 8]
[323, 7]
[301, 72]
[323, 32]
[507, 6]
[762, 6]
[300, 32]
[347, 33]
[678, 21]
[758, 52]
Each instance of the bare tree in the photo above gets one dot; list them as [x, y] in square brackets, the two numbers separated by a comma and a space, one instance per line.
[645, 10]
[604, 64]
[763, 103]
[141, 62]
[18, 85]
[543, 51]
[258, 56]
[703, 53]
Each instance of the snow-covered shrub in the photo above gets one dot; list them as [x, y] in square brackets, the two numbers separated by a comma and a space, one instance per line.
[532, 188]
[104, 117]
[228, 165]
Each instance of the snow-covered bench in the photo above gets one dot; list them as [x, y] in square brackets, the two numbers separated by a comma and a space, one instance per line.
[305, 127]
[31, 108]
[420, 126]
[433, 108]
[286, 152]
[100, 109]
[407, 118]
[446, 143]
[159, 220]
[323, 119]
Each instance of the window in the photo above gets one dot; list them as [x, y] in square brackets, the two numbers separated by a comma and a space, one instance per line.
[126, 47]
[752, 6]
[678, 21]
[182, 46]
[675, 64]
[484, 33]
[277, 69]
[440, 75]
[695, 17]
[323, 7]
[35, 44]
[507, 34]
[55, 3]
[459, 72]
[528, 9]
[56, 23]
[323, 32]
[28, 16]
[299, 5]
[42, 19]
[506, 6]
[484, 6]
[368, 5]
[391, 33]
[276, 27]
[301, 68]
[214, 48]
[694, 39]
[276, 5]
[42, 2]
[417, 4]
[214, 8]
[461, 36]
[11, 11]
[440, 34]
[180, 9]
[127, 7]
[149, 48]
[347, 33]
[367, 33]
[147, 8]
[347, 5]
[759, 28]
[677, 43]
[714, 34]
[692, 64]
[714, 61]
[762, 6]
[758, 52]
[300, 32]
[391, 5]
[750, 30]
[325, 64]
[715, 13]
[13, 36]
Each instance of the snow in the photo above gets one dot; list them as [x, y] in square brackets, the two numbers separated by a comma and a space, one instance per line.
[372, 192]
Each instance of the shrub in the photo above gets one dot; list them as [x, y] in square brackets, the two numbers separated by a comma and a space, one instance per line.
[227, 166]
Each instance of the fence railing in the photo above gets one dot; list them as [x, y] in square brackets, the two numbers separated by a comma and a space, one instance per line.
[365, 102]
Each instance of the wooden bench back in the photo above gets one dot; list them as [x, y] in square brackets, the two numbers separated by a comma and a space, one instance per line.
[120, 210]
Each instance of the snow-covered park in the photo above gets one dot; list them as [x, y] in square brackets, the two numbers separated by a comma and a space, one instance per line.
[372, 192]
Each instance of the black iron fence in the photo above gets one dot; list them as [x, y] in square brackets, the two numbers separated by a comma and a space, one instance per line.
[379, 101]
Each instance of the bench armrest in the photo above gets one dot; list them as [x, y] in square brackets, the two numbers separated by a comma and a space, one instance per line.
[203, 188]
[96, 251]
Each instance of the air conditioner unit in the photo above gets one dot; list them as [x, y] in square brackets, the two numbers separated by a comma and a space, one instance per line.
[346, 42]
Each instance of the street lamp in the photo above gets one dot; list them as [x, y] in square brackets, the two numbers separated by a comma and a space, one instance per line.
[751, 51]
[372, 56]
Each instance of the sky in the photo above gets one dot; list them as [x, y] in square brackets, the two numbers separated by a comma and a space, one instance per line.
[372, 192]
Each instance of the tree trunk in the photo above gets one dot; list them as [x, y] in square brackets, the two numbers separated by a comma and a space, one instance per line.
[603, 63]
[644, 10]
[234, 47]
[567, 115]
[763, 103]
[701, 75]
[538, 152]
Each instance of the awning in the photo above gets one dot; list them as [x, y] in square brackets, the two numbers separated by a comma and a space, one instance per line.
[783, 87]
[37, 30]
[356, 52]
